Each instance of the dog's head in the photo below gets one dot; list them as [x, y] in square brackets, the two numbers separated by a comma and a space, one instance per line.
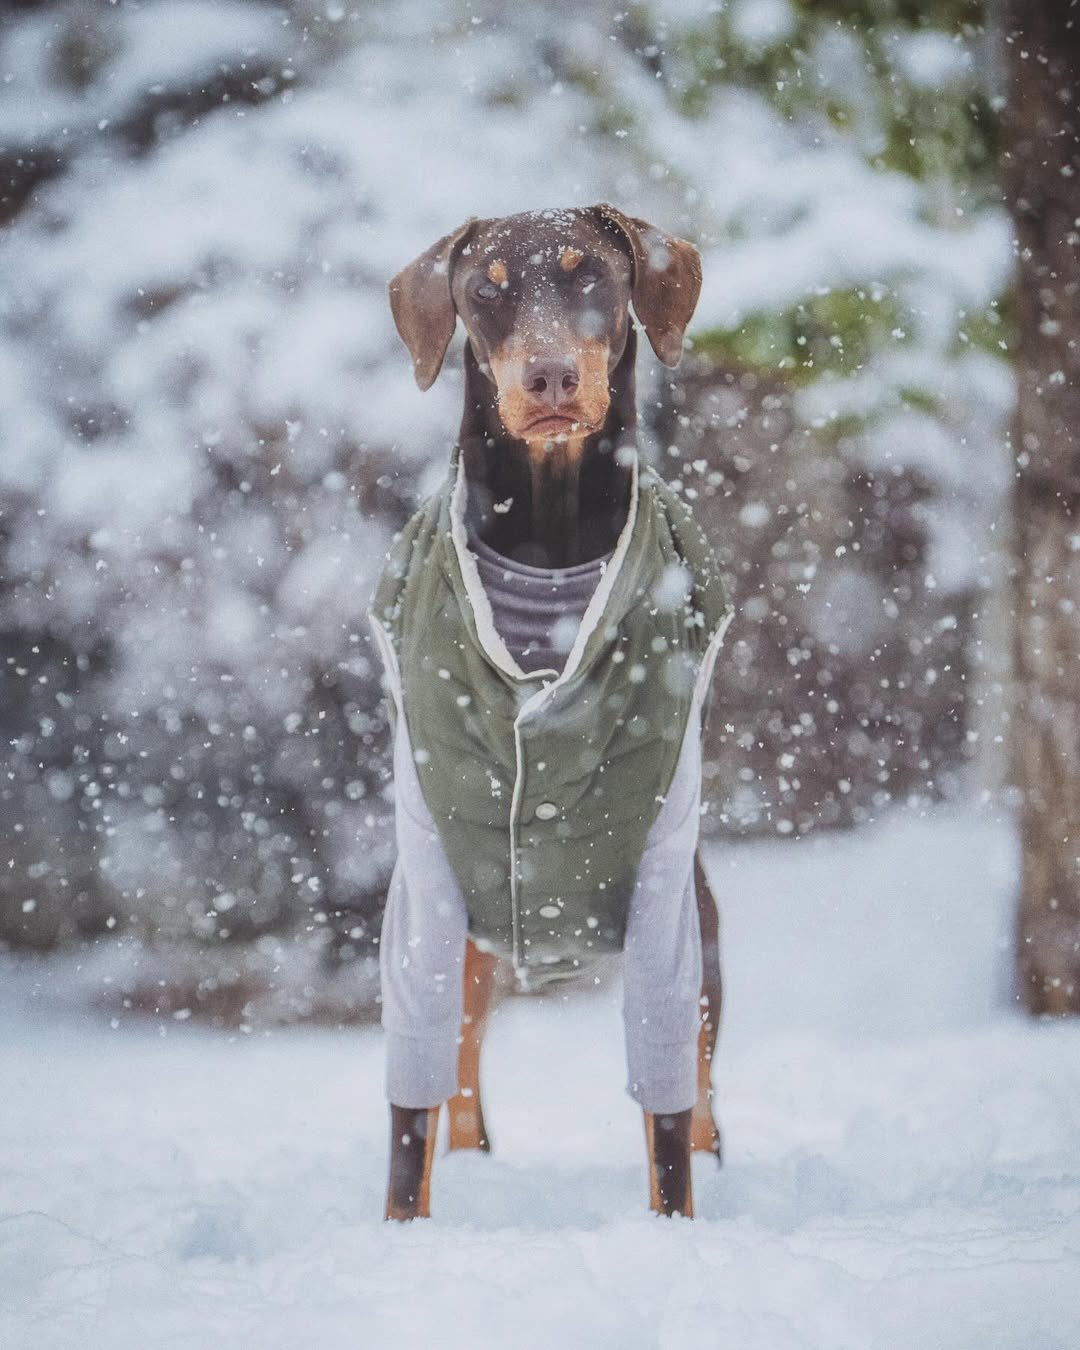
[544, 297]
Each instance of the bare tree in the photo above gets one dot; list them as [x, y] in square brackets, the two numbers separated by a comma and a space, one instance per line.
[1042, 178]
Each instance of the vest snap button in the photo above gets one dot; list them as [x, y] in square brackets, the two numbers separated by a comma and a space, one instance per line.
[547, 811]
[550, 911]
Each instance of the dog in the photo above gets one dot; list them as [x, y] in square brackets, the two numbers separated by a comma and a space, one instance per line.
[548, 623]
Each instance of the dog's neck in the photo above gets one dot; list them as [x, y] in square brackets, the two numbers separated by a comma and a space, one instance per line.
[552, 507]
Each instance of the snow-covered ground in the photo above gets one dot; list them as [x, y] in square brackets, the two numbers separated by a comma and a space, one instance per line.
[903, 1152]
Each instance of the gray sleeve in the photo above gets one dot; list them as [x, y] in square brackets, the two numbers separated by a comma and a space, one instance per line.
[662, 960]
[421, 951]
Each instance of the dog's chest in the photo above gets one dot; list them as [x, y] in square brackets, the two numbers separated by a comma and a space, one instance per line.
[536, 611]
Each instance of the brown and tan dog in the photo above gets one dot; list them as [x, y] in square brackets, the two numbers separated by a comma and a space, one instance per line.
[545, 300]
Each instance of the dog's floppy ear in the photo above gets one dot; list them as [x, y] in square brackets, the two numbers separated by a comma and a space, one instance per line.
[667, 280]
[423, 307]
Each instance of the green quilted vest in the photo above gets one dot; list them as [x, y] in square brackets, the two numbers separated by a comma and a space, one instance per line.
[544, 787]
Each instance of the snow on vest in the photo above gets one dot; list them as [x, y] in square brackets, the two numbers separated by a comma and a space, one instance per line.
[544, 788]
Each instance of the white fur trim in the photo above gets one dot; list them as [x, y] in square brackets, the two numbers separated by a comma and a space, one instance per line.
[390, 663]
[708, 660]
[594, 611]
[489, 636]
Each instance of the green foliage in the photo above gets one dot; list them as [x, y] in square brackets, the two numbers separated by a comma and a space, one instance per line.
[951, 135]
[835, 332]
[989, 330]
[952, 16]
[709, 55]
[918, 400]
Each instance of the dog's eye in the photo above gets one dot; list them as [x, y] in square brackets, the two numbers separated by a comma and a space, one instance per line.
[587, 279]
[487, 290]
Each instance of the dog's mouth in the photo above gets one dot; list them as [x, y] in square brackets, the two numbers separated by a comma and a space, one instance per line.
[555, 424]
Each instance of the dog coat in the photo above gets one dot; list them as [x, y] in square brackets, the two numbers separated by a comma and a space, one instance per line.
[544, 785]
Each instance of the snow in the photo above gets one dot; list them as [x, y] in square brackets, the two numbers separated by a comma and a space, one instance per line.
[903, 1151]
[932, 60]
[760, 22]
[859, 230]
[152, 46]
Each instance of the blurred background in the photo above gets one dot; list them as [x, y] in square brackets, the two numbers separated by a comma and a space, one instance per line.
[209, 430]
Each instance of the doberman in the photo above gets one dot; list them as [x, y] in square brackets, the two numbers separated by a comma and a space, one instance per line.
[545, 299]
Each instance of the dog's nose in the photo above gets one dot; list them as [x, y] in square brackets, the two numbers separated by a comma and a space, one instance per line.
[551, 379]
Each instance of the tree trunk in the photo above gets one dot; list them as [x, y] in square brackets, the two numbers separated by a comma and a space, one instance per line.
[1042, 179]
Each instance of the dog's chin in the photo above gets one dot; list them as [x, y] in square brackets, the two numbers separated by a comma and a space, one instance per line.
[554, 428]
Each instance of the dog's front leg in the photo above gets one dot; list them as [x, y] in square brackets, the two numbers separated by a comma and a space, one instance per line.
[667, 1139]
[705, 1134]
[466, 1111]
[412, 1148]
